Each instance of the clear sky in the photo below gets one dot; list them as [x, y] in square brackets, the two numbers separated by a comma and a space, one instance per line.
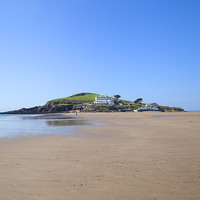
[135, 48]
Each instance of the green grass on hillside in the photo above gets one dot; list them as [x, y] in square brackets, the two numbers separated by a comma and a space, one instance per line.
[85, 97]
[125, 102]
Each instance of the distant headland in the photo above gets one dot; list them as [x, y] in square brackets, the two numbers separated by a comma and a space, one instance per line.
[92, 102]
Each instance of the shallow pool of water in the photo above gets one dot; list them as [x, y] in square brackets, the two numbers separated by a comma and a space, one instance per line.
[22, 125]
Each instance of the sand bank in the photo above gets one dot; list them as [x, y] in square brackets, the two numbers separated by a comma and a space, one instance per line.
[129, 156]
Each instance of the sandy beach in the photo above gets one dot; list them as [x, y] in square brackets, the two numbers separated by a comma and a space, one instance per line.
[127, 156]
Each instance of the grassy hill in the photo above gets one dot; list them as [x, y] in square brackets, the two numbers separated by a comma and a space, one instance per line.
[76, 98]
[82, 98]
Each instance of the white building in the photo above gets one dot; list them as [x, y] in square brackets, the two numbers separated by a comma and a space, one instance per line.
[103, 99]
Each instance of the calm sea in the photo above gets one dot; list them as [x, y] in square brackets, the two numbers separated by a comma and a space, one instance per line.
[22, 125]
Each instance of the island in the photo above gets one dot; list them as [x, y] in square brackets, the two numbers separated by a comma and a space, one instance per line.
[92, 102]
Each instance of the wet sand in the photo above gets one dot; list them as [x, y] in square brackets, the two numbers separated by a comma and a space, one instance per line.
[128, 156]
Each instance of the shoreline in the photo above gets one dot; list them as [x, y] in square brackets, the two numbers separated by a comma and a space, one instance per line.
[129, 156]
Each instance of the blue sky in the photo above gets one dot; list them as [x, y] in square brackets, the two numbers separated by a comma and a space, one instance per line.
[135, 48]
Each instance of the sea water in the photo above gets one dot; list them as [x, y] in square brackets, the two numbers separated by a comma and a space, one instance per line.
[12, 125]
